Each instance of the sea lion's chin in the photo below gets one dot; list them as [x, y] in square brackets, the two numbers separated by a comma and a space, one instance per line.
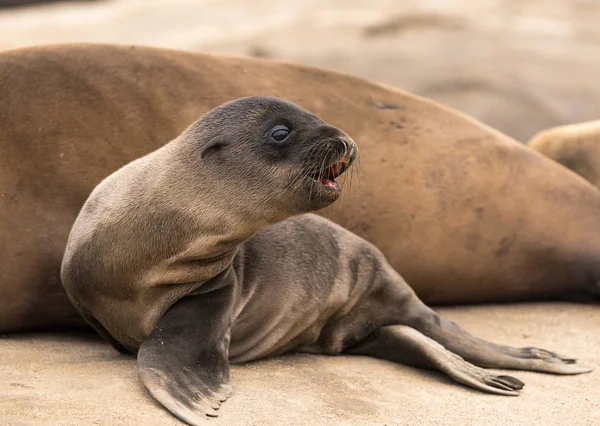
[322, 195]
[314, 202]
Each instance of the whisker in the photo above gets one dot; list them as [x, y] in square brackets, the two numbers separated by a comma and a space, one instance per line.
[321, 152]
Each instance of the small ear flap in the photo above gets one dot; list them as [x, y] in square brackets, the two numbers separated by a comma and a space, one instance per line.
[213, 144]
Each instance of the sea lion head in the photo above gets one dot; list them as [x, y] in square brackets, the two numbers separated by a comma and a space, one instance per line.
[272, 154]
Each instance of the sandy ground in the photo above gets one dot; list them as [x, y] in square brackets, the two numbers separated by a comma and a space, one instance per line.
[73, 379]
[519, 65]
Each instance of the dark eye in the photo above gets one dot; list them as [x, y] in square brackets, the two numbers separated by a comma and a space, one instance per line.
[280, 133]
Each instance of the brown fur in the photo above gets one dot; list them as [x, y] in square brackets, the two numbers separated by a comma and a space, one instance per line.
[465, 213]
[575, 146]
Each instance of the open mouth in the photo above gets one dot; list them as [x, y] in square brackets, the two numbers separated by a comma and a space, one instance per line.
[327, 175]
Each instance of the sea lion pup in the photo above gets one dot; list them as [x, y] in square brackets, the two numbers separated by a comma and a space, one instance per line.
[467, 214]
[172, 257]
[575, 146]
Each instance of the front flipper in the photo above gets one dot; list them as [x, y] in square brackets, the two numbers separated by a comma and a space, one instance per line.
[184, 362]
[405, 345]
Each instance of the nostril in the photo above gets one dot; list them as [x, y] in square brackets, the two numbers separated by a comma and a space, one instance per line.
[351, 147]
[345, 144]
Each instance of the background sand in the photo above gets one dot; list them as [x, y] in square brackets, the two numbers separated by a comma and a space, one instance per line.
[518, 65]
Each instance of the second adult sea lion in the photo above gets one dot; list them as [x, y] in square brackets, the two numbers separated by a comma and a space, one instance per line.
[575, 146]
[173, 257]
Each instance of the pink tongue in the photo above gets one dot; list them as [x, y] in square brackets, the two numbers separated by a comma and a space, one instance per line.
[330, 183]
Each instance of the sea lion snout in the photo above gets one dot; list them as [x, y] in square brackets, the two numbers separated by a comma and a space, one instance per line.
[333, 135]
[331, 146]
[345, 141]
[332, 157]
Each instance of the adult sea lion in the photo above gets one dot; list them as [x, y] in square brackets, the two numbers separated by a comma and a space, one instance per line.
[576, 146]
[172, 257]
[462, 211]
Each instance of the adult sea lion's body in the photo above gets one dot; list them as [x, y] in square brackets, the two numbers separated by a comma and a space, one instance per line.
[576, 146]
[172, 257]
[465, 213]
